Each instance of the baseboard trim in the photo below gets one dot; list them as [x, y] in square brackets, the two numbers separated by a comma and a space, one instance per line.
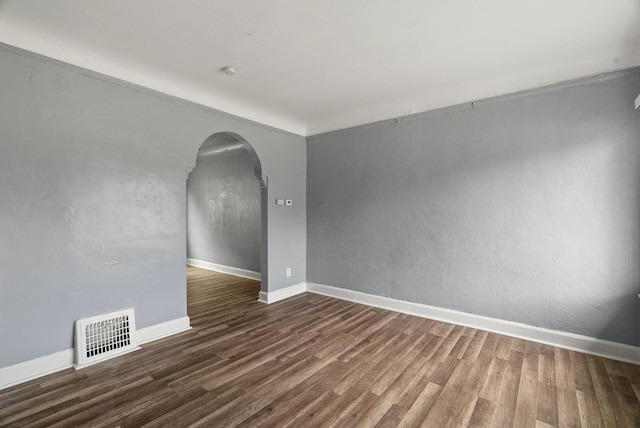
[163, 329]
[243, 273]
[575, 342]
[42, 366]
[281, 294]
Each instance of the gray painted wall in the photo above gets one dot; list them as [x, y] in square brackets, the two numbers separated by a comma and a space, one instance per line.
[93, 200]
[223, 207]
[524, 208]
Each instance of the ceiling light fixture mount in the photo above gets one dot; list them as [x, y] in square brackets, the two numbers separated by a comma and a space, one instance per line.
[227, 69]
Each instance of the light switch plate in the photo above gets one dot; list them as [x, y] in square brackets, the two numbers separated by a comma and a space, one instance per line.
[289, 202]
[280, 202]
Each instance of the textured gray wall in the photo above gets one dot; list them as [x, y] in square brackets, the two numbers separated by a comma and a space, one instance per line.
[524, 208]
[93, 200]
[223, 207]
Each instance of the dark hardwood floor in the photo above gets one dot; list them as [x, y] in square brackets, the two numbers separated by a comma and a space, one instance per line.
[314, 361]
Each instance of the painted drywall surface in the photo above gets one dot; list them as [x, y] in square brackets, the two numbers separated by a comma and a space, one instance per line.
[223, 208]
[93, 200]
[524, 208]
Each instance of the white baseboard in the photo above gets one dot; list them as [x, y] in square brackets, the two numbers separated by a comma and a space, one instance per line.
[42, 366]
[575, 342]
[32, 369]
[164, 329]
[283, 293]
[243, 273]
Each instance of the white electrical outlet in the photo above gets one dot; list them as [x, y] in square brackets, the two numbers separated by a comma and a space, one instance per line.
[288, 202]
[288, 272]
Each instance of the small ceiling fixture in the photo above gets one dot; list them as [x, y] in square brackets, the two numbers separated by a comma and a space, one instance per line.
[229, 70]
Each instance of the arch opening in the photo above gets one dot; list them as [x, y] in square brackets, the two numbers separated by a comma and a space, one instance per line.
[225, 205]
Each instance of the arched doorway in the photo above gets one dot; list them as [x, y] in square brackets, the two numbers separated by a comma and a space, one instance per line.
[227, 208]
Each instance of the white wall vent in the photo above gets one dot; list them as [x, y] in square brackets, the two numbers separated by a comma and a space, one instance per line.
[105, 336]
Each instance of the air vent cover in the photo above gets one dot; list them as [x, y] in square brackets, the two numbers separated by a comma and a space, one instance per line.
[105, 336]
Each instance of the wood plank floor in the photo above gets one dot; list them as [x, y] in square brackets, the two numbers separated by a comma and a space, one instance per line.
[314, 361]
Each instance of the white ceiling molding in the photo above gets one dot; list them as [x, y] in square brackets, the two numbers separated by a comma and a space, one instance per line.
[309, 67]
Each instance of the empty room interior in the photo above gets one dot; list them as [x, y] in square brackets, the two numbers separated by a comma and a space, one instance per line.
[301, 213]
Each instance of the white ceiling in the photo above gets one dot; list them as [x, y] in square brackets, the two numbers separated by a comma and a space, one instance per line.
[309, 66]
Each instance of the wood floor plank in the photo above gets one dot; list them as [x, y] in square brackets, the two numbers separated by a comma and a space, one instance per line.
[636, 389]
[565, 371]
[503, 350]
[589, 409]
[460, 347]
[143, 415]
[315, 361]
[475, 346]
[491, 386]
[482, 413]
[629, 405]
[489, 346]
[413, 372]
[406, 393]
[313, 415]
[606, 395]
[569, 414]
[582, 376]
[421, 406]
[392, 419]
[299, 399]
[461, 411]
[526, 412]
[355, 413]
[546, 366]
[376, 413]
[324, 416]
[508, 392]
[277, 385]
[394, 370]
[547, 397]
[448, 344]
[446, 407]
